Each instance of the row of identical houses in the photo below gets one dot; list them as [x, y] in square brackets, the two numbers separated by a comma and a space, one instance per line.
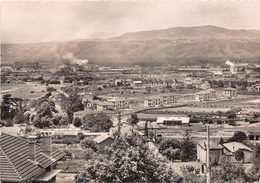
[170, 98]
[164, 99]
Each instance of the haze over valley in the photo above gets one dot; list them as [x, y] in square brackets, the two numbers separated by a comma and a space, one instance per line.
[194, 45]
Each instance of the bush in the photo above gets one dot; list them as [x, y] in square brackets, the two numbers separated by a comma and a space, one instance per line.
[28, 129]
[77, 122]
[70, 140]
[80, 136]
[85, 144]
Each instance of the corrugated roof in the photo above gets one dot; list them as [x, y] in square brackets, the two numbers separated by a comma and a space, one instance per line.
[174, 118]
[15, 165]
[234, 146]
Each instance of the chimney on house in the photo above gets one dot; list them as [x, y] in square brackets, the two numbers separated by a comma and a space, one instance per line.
[46, 142]
[32, 147]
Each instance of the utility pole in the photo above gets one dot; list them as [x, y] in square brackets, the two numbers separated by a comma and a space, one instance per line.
[208, 151]
[119, 123]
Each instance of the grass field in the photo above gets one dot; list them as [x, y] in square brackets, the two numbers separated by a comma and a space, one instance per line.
[24, 91]
[6, 86]
[253, 101]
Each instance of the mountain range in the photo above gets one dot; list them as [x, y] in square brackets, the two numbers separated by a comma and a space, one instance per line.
[177, 46]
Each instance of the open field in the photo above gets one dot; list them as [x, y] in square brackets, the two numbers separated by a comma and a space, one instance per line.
[24, 91]
[253, 101]
[8, 86]
[194, 109]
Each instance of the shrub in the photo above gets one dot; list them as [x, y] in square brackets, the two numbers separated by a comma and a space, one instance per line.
[77, 122]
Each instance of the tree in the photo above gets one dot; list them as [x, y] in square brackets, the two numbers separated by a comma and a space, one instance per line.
[238, 136]
[56, 120]
[191, 175]
[230, 114]
[133, 119]
[168, 143]
[9, 106]
[87, 143]
[219, 113]
[188, 148]
[87, 153]
[125, 163]
[221, 141]
[97, 122]
[239, 155]
[146, 129]
[229, 172]
[20, 118]
[172, 154]
[64, 120]
[255, 170]
[77, 122]
[71, 104]
[45, 110]
[80, 136]
[42, 122]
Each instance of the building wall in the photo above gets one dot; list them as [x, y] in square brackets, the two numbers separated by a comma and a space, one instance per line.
[201, 154]
[153, 102]
[169, 99]
[104, 143]
[215, 154]
[120, 104]
[247, 157]
[229, 93]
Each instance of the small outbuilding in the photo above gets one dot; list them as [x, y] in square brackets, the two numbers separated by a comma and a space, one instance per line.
[103, 141]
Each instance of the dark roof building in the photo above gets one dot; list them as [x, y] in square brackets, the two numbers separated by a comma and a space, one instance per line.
[24, 160]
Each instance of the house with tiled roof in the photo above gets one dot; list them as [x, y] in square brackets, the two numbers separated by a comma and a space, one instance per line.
[23, 160]
[215, 153]
[230, 149]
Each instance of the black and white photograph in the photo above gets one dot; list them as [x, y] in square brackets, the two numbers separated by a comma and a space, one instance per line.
[130, 91]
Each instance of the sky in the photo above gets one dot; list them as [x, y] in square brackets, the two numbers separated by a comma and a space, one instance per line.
[44, 21]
